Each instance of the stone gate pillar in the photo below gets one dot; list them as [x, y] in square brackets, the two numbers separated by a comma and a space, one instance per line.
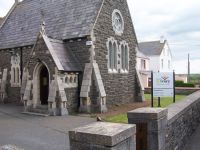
[151, 127]
[103, 136]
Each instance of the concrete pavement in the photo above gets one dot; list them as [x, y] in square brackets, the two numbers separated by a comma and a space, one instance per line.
[36, 133]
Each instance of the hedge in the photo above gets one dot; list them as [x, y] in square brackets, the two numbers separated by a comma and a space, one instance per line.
[182, 84]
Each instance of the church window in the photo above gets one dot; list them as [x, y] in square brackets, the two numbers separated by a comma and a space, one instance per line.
[117, 22]
[112, 55]
[15, 71]
[124, 56]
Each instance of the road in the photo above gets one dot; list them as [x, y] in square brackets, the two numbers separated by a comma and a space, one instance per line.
[36, 133]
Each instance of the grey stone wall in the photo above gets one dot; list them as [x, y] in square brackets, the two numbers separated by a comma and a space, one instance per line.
[175, 128]
[73, 99]
[120, 88]
[183, 119]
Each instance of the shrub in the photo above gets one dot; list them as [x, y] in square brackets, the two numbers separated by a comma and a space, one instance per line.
[182, 84]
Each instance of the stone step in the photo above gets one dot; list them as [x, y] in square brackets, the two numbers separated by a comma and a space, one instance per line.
[35, 114]
[40, 111]
[42, 107]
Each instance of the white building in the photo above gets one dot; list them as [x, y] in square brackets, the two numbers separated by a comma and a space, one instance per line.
[153, 56]
[159, 54]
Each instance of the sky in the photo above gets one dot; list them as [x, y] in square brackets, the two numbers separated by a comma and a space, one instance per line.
[177, 20]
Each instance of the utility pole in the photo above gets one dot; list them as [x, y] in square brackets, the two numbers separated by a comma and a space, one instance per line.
[188, 68]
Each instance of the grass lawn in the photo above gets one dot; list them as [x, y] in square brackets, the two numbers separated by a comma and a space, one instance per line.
[166, 101]
[122, 118]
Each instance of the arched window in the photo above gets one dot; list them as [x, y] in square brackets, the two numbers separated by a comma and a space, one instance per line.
[112, 54]
[71, 80]
[67, 80]
[14, 75]
[17, 75]
[124, 56]
[75, 79]
[115, 56]
[15, 71]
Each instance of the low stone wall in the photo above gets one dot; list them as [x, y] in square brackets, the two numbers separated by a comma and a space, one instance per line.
[171, 127]
[179, 90]
[183, 119]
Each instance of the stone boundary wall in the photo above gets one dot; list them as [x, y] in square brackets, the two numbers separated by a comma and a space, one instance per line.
[179, 90]
[168, 128]
[183, 119]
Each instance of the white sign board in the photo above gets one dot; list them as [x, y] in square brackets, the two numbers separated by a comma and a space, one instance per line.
[163, 84]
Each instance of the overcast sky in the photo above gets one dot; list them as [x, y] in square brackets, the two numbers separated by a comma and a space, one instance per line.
[177, 20]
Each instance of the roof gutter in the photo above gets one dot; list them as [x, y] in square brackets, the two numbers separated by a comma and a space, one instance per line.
[8, 14]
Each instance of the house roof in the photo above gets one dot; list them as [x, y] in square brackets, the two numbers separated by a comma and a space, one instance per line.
[64, 19]
[63, 57]
[141, 55]
[1, 19]
[151, 48]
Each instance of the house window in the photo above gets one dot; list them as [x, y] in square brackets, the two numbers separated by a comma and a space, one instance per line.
[15, 71]
[112, 55]
[169, 64]
[143, 64]
[162, 63]
[124, 56]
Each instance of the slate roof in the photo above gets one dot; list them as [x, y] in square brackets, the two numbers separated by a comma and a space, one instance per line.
[151, 48]
[141, 55]
[65, 19]
[63, 57]
[1, 19]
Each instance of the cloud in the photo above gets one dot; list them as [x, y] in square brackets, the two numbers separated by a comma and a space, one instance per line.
[5, 5]
[177, 20]
[182, 66]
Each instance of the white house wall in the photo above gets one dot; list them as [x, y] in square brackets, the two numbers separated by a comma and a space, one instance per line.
[155, 63]
[166, 57]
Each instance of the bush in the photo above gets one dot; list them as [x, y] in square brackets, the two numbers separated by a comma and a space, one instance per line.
[182, 84]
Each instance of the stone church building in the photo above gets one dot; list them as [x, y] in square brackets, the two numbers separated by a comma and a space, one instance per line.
[64, 56]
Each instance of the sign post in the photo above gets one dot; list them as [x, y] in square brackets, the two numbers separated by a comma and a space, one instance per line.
[174, 97]
[163, 85]
[151, 88]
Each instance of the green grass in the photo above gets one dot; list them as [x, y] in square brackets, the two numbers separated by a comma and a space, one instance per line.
[122, 118]
[165, 101]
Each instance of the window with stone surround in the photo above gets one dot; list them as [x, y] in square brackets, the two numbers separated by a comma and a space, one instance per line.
[117, 22]
[124, 48]
[118, 56]
[15, 71]
[112, 47]
[70, 80]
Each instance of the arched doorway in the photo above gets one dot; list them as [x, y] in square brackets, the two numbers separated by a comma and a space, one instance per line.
[44, 85]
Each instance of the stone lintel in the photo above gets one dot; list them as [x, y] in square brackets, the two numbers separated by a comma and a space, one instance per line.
[102, 134]
[147, 114]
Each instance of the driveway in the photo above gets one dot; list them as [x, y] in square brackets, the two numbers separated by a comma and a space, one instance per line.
[36, 133]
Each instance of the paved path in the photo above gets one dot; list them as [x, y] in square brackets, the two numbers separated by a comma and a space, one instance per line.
[36, 133]
[194, 141]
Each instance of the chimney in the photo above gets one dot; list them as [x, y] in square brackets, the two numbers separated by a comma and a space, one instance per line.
[162, 39]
